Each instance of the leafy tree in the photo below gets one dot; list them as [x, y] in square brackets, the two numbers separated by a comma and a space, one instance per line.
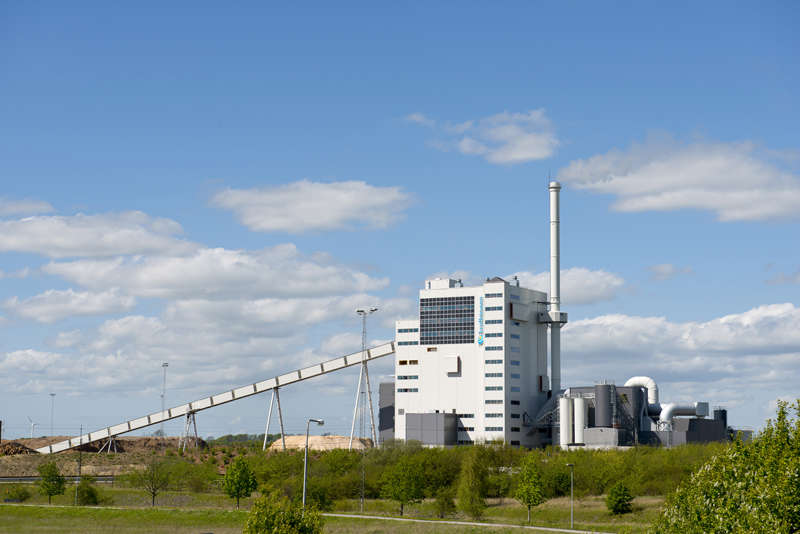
[404, 482]
[239, 480]
[444, 502]
[86, 492]
[529, 485]
[472, 483]
[153, 479]
[752, 487]
[619, 499]
[274, 514]
[51, 482]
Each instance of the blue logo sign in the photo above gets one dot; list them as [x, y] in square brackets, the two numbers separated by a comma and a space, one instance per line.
[480, 323]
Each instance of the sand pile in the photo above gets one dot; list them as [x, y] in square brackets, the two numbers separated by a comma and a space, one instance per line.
[321, 443]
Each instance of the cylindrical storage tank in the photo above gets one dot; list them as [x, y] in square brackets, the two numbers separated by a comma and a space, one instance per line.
[602, 405]
[579, 407]
[637, 399]
[565, 421]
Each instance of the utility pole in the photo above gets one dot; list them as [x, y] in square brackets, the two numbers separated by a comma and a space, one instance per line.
[163, 396]
[52, 409]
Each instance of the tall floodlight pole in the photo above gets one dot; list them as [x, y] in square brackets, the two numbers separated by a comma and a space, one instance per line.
[320, 422]
[571, 500]
[52, 410]
[163, 396]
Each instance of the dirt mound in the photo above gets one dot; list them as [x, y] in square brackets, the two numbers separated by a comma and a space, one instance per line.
[321, 443]
[12, 447]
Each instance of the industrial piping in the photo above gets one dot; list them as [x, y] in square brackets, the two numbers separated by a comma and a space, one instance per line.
[653, 406]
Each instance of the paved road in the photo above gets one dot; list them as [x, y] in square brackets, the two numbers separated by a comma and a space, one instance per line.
[468, 523]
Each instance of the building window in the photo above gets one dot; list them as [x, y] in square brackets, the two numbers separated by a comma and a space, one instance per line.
[401, 411]
[514, 389]
[513, 349]
[514, 403]
[516, 323]
[447, 320]
[494, 334]
[494, 348]
[514, 416]
[493, 295]
[514, 429]
[494, 321]
[514, 443]
[514, 297]
[465, 442]
[408, 342]
[403, 362]
[514, 362]
[514, 336]
[494, 375]
[514, 375]
[492, 361]
[494, 415]
[465, 415]
[494, 401]
[466, 428]
[494, 388]
[494, 308]
[408, 390]
[494, 429]
[407, 330]
[408, 377]
[432, 349]
[413, 362]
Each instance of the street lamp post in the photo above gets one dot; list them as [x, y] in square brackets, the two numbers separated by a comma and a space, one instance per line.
[571, 478]
[320, 422]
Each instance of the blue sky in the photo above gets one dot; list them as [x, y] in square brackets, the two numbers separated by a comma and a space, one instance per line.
[157, 164]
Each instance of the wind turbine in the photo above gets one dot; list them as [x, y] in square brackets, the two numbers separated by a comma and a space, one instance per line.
[33, 426]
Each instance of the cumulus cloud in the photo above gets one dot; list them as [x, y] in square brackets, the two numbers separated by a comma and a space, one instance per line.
[733, 180]
[307, 206]
[578, 284]
[667, 271]
[109, 234]
[23, 207]
[505, 138]
[54, 305]
[220, 273]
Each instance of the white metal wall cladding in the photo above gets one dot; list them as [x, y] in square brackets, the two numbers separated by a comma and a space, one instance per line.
[221, 398]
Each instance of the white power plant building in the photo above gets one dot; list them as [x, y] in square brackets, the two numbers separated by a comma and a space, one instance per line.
[473, 367]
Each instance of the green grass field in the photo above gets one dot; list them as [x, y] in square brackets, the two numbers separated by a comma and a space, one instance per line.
[128, 512]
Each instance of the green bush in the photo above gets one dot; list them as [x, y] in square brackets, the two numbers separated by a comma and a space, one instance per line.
[273, 514]
[444, 503]
[472, 483]
[86, 493]
[16, 492]
[619, 499]
[51, 481]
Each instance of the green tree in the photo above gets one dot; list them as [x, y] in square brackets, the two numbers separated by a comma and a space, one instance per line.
[753, 487]
[619, 499]
[239, 480]
[444, 502]
[153, 479]
[86, 492]
[472, 483]
[404, 482]
[273, 514]
[51, 482]
[529, 484]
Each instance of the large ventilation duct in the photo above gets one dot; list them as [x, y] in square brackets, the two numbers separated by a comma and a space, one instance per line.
[670, 409]
[653, 406]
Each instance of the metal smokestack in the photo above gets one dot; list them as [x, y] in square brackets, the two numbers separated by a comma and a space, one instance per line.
[555, 291]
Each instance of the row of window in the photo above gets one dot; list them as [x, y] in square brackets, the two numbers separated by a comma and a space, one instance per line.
[494, 321]
[490, 415]
[465, 415]
[408, 362]
[408, 390]
[447, 320]
[494, 334]
[514, 349]
[490, 362]
[514, 336]
[494, 429]
[514, 416]
[514, 389]
[446, 307]
[408, 377]
[466, 428]
[514, 403]
[494, 388]
[514, 362]
[494, 401]
[494, 348]
[514, 297]
[514, 375]
[408, 342]
[494, 375]
[494, 308]
[407, 330]
[493, 295]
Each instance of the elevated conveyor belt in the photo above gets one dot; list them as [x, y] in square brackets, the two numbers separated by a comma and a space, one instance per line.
[221, 398]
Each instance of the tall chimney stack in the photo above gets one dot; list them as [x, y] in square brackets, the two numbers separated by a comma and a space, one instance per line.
[555, 291]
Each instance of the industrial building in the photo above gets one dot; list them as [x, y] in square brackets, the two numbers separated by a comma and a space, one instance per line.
[474, 367]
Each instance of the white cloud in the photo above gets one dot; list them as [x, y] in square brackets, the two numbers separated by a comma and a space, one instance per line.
[505, 138]
[731, 180]
[27, 361]
[23, 207]
[21, 273]
[220, 273]
[667, 271]
[109, 234]
[54, 305]
[578, 284]
[307, 206]
[67, 339]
